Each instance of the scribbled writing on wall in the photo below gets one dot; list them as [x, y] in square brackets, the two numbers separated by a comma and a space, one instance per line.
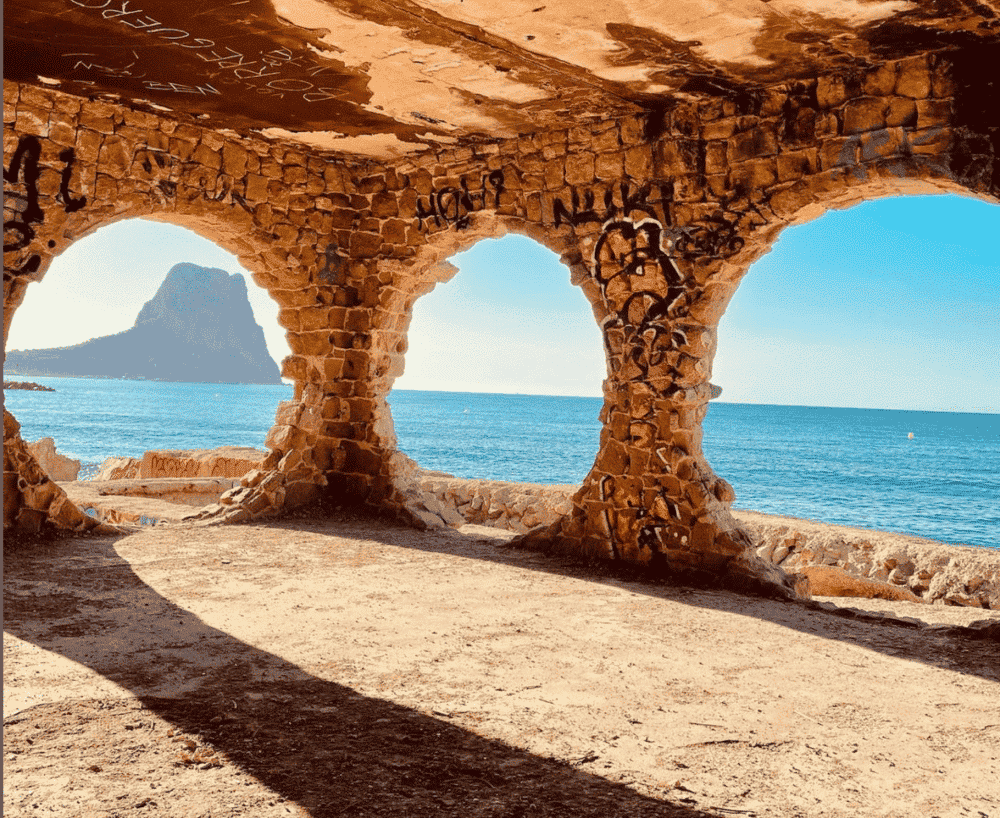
[633, 201]
[714, 236]
[22, 209]
[644, 335]
[264, 72]
[333, 270]
[452, 206]
[646, 293]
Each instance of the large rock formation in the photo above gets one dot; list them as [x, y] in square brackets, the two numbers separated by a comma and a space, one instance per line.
[57, 466]
[197, 328]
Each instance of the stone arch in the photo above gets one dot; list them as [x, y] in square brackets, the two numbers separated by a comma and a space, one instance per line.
[374, 470]
[89, 164]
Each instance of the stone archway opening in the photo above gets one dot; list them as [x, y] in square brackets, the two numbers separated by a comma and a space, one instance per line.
[856, 366]
[129, 283]
[499, 405]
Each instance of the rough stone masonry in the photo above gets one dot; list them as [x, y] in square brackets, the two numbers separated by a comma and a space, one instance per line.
[657, 214]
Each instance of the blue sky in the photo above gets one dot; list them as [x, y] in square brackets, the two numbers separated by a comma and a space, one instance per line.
[890, 304]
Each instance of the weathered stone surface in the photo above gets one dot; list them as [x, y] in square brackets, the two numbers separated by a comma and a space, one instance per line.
[57, 466]
[827, 580]
[933, 572]
[118, 468]
[225, 461]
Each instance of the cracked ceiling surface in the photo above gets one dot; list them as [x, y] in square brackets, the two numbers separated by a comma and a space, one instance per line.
[383, 79]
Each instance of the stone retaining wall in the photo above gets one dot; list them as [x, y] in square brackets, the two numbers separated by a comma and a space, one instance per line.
[516, 507]
[935, 572]
[931, 571]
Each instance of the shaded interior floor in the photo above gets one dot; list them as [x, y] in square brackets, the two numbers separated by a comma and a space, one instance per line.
[350, 667]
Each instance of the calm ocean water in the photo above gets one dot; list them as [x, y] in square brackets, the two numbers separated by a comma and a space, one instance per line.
[851, 466]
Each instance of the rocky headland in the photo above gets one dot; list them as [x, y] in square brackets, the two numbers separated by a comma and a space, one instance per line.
[198, 328]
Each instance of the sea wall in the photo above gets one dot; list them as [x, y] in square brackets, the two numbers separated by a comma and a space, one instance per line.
[933, 571]
[929, 571]
[516, 507]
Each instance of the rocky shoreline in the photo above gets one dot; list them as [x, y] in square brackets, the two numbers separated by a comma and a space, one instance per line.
[27, 385]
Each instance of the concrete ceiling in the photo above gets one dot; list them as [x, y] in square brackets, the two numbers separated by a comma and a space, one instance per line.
[383, 79]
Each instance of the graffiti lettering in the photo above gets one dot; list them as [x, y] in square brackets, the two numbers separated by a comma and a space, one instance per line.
[180, 88]
[715, 236]
[69, 202]
[454, 206]
[244, 69]
[633, 202]
[22, 210]
[648, 298]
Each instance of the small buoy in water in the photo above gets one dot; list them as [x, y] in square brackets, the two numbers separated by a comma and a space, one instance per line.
[910, 435]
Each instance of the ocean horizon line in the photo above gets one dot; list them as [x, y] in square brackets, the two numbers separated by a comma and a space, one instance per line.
[980, 411]
[985, 411]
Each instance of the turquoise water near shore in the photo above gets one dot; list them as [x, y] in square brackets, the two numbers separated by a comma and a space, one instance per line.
[855, 467]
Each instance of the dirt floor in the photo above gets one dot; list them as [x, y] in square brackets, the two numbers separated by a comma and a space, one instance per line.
[350, 667]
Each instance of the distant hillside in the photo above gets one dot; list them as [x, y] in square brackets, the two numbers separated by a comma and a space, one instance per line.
[198, 328]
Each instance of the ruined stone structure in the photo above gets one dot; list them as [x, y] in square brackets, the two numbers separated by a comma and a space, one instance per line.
[657, 206]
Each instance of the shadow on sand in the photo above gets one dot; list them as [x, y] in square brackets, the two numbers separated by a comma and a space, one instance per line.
[319, 744]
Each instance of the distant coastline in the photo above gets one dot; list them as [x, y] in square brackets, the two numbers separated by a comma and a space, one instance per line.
[123, 378]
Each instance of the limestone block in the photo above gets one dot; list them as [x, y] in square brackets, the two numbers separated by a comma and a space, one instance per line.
[942, 77]
[796, 164]
[639, 163]
[902, 111]
[580, 169]
[826, 580]
[930, 141]
[57, 466]
[880, 82]
[931, 112]
[881, 144]
[751, 144]
[914, 78]
[118, 468]
[839, 152]
[831, 91]
[864, 114]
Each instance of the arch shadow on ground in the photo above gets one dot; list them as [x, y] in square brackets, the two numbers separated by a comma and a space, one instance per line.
[314, 742]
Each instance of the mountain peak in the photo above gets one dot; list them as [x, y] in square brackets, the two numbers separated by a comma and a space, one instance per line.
[198, 327]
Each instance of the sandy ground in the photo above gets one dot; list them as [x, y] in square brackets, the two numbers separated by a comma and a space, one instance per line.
[350, 667]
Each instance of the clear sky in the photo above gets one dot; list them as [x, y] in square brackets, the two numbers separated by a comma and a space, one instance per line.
[890, 304]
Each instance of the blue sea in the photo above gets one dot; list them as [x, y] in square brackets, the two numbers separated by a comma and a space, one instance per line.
[857, 467]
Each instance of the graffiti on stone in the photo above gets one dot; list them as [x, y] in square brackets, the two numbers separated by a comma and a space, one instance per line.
[22, 208]
[265, 72]
[633, 201]
[646, 293]
[453, 206]
[234, 196]
[648, 297]
[715, 236]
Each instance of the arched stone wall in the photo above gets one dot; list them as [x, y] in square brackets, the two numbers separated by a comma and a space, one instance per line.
[658, 216]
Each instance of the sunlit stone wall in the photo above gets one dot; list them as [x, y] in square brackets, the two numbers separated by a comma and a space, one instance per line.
[658, 217]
